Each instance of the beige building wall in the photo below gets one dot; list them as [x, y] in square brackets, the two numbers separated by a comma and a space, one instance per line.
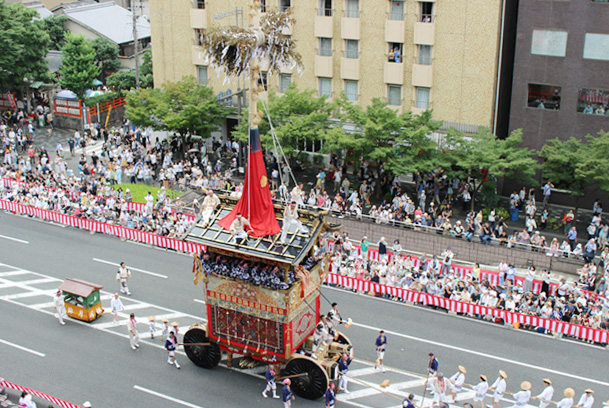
[463, 34]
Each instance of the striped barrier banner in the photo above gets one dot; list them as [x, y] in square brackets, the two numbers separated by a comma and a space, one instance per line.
[50, 398]
[109, 229]
[557, 326]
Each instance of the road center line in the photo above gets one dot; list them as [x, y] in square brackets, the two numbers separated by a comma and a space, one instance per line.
[158, 275]
[34, 352]
[14, 239]
[166, 397]
[485, 355]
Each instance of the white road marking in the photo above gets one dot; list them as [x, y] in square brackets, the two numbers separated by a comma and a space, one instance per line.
[484, 355]
[13, 273]
[32, 293]
[166, 397]
[12, 344]
[199, 301]
[158, 275]
[21, 241]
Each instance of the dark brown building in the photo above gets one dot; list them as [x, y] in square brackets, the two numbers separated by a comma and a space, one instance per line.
[560, 83]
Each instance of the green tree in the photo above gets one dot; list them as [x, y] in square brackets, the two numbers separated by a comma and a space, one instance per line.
[121, 80]
[146, 78]
[297, 116]
[78, 69]
[400, 142]
[560, 160]
[23, 47]
[141, 106]
[483, 156]
[594, 166]
[106, 56]
[53, 26]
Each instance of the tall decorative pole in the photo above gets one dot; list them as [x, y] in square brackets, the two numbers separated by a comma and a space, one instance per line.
[237, 51]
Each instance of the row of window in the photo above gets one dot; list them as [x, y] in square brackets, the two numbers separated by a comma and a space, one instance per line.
[553, 43]
[423, 56]
[591, 101]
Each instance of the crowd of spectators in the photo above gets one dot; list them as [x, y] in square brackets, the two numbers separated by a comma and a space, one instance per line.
[583, 301]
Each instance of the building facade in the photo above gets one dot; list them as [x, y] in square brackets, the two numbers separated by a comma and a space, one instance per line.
[416, 55]
[560, 87]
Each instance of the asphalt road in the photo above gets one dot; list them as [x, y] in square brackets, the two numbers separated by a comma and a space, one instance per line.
[81, 361]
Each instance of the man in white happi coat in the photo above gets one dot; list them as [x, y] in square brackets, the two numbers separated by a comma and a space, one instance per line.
[546, 395]
[237, 228]
[290, 217]
[480, 389]
[60, 307]
[296, 194]
[586, 400]
[439, 385]
[210, 203]
[567, 401]
[499, 387]
[458, 380]
[116, 306]
[522, 397]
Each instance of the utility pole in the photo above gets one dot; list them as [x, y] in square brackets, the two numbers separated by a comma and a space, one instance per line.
[135, 45]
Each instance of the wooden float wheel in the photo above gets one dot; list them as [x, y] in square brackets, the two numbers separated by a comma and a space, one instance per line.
[203, 356]
[311, 386]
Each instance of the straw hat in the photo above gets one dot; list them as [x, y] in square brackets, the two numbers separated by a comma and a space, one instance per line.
[462, 369]
[151, 318]
[483, 377]
[525, 385]
[589, 391]
[569, 392]
[175, 323]
[547, 381]
[606, 403]
[165, 320]
[502, 374]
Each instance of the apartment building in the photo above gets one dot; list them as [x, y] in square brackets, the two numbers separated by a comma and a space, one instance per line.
[443, 55]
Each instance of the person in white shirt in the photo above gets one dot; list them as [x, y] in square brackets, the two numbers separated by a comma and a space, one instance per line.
[499, 386]
[237, 228]
[210, 203]
[566, 402]
[439, 385]
[586, 400]
[458, 379]
[480, 389]
[522, 397]
[290, 217]
[116, 306]
[149, 203]
[60, 307]
[546, 395]
[122, 277]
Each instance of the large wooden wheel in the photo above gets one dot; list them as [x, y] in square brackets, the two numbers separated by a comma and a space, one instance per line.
[342, 339]
[310, 386]
[202, 356]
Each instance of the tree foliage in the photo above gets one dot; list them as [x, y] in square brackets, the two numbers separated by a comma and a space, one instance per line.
[184, 107]
[53, 26]
[560, 160]
[23, 47]
[594, 166]
[297, 116]
[121, 80]
[106, 56]
[381, 135]
[78, 68]
[146, 78]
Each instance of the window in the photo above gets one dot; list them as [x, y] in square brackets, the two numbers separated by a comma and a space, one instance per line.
[325, 87]
[544, 96]
[284, 5]
[325, 8]
[325, 47]
[395, 52]
[351, 90]
[352, 9]
[397, 10]
[284, 82]
[426, 15]
[550, 43]
[198, 36]
[593, 101]
[422, 101]
[596, 46]
[262, 6]
[423, 54]
[263, 80]
[394, 95]
[200, 4]
[202, 74]
[352, 48]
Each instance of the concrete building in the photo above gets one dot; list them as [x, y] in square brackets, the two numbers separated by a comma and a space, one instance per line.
[560, 86]
[416, 55]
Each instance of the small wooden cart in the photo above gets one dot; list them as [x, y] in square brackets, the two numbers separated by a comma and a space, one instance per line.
[82, 299]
